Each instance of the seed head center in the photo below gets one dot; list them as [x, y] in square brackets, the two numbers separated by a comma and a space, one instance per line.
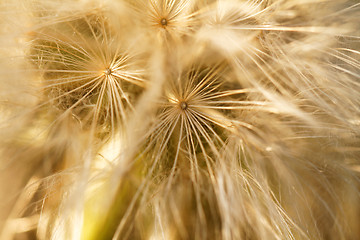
[164, 22]
[107, 72]
[183, 106]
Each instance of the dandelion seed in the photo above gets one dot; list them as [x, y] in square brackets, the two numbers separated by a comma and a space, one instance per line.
[164, 22]
[73, 81]
[183, 106]
[169, 19]
[107, 72]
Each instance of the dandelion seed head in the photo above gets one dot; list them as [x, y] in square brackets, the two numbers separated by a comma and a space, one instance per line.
[226, 103]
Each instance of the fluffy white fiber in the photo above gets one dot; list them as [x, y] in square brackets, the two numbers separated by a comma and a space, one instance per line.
[180, 119]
